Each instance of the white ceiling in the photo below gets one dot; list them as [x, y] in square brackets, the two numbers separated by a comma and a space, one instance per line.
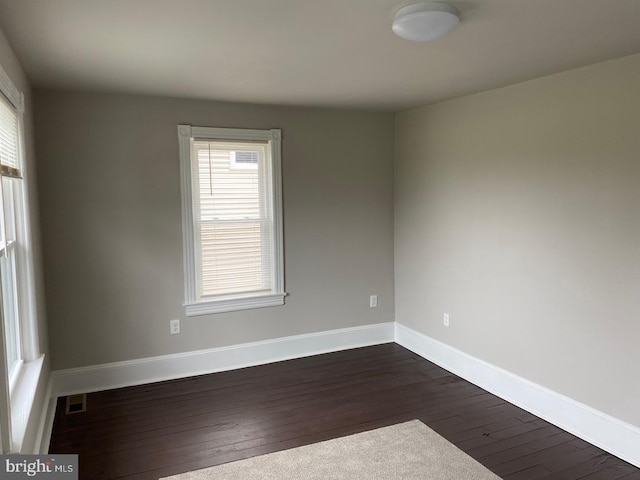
[307, 52]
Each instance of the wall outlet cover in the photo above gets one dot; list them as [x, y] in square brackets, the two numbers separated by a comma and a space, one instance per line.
[174, 327]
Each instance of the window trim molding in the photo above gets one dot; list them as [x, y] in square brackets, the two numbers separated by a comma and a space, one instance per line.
[186, 133]
[29, 337]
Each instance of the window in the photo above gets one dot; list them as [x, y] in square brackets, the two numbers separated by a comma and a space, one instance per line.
[232, 219]
[21, 361]
[8, 184]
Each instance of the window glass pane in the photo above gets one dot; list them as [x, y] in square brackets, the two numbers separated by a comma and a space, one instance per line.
[231, 258]
[232, 218]
[9, 310]
[8, 202]
[226, 192]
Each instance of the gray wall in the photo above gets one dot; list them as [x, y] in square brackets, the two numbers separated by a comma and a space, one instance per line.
[517, 211]
[111, 222]
[13, 69]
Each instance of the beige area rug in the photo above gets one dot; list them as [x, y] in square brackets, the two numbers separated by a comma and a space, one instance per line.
[408, 450]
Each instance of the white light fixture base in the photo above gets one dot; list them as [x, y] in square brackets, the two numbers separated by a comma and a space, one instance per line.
[425, 21]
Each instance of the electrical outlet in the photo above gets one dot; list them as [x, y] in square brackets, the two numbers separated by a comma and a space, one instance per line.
[446, 320]
[174, 326]
[373, 301]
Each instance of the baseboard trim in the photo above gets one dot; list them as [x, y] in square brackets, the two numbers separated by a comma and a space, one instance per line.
[604, 431]
[146, 370]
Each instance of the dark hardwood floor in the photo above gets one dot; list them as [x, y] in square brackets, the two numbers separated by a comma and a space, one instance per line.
[165, 428]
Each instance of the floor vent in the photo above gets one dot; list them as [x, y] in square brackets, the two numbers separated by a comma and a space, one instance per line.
[76, 403]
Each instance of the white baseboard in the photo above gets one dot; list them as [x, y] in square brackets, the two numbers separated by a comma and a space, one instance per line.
[167, 367]
[608, 433]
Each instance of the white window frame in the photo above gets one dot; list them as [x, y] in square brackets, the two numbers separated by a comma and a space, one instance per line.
[230, 303]
[17, 392]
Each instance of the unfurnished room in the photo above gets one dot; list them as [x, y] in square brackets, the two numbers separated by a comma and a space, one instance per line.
[295, 239]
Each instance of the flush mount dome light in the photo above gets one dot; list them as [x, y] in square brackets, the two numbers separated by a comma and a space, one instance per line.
[425, 21]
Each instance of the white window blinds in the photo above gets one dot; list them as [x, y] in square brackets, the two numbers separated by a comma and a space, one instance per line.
[9, 160]
[232, 217]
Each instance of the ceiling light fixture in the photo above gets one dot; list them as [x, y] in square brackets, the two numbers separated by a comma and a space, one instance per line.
[425, 21]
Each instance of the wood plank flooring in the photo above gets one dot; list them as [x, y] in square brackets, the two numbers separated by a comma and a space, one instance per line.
[161, 429]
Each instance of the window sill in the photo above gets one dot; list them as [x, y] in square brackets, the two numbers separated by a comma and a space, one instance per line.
[234, 304]
[22, 398]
